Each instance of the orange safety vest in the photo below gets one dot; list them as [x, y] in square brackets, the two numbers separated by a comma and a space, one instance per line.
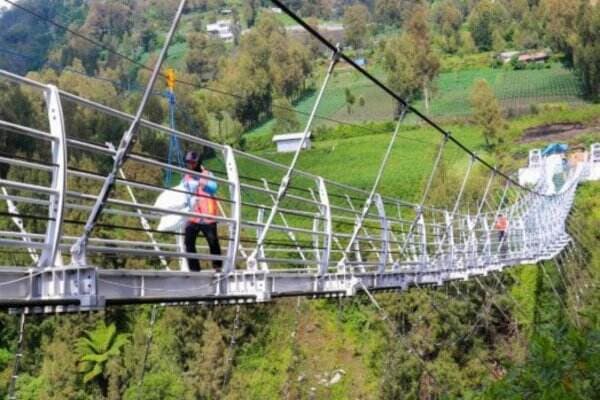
[501, 224]
[205, 202]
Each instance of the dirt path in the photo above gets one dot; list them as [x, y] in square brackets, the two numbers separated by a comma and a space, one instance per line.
[558, 132]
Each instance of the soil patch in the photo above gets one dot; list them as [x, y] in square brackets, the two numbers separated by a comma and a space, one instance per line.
[557, 132]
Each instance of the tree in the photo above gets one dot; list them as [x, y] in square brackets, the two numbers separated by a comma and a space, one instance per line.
[105, 22]
[228, 130]
[498, 42]
[350, 100]
[204, 55]
[409, 59]
[587, 51]
[207, 366]
[315, 8]
[528, 33]
[486, 17]
[163, 385]
[448, 19]
[467, 43]
[486, 110]
[356, 18]
[401, 70]
[560, 24]
[267, 65]
[286, 120]
[96, 348]
[426, 62]
[16, 108]
[393, 12]
[250, 12]
[517, 9]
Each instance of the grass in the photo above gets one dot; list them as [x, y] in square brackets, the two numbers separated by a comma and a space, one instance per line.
[355, 161]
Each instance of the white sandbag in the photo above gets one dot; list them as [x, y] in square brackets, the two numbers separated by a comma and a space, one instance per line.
[176, 199]
[171, 222]
[173, 199]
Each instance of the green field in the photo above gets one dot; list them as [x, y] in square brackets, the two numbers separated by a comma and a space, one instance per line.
[355, 161]
[516, 90]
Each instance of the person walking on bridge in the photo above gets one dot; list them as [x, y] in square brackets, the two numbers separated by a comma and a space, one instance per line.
[202, 202]
[501, 226]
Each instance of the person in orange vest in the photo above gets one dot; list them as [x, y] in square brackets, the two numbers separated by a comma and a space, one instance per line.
[203, 202]
[501, 226]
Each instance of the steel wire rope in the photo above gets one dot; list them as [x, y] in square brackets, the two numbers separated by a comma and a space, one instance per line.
[426, 119]
[23, 278]
[449, 311]
[157, 187]
[149, 336]
[131, 228]
[470, 330]
[554, 291]
[571, 289]
[18, 356]
[294, 345]
[410, 349]
[231, 349]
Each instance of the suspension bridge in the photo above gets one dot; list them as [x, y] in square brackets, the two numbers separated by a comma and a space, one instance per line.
[285, 232]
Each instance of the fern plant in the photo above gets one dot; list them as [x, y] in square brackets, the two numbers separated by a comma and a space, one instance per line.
[97, 347]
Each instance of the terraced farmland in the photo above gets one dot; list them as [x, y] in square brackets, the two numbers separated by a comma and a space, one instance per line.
[516, 90]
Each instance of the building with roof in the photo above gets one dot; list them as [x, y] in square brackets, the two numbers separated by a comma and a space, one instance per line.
[289, 142]
[222, 29]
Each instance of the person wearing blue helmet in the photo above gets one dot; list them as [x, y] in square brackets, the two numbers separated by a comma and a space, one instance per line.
[203, 202]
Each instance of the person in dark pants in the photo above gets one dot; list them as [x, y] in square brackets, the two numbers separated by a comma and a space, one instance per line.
[204, 202]
[210, 233]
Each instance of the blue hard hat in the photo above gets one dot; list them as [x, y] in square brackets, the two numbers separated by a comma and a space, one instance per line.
[210, 187]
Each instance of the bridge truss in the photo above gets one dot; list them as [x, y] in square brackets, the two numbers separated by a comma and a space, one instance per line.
[291, 234]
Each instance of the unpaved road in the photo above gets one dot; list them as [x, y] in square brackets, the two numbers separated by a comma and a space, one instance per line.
[558, 132]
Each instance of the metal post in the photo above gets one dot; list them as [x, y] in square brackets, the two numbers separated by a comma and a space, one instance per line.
[235, 194]
[285, 181]
[260, 216]
[385, 237]
[326, 212]
[51, 254]
[78, 250]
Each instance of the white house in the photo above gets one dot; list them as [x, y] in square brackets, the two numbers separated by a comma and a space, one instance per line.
[289, 142]
[223, 29]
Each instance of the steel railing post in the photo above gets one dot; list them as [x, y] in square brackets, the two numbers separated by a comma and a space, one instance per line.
[51, 253]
